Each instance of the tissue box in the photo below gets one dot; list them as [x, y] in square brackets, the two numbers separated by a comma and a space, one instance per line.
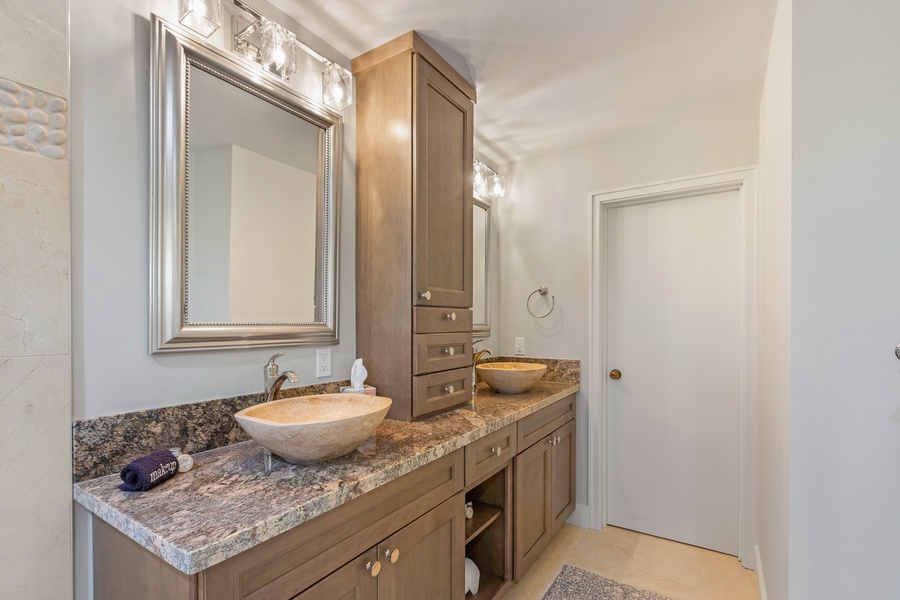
[368, 390]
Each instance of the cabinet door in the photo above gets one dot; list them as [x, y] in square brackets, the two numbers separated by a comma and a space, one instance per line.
[354, 581]
[562, 480]
[430, 554]
[442, 186]
[533, 525]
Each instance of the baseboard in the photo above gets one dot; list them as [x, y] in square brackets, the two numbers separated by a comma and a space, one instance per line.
[759, 573]
[581, 516]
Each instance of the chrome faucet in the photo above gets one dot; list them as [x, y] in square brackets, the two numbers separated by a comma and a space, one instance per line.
[274, 381]
[475, 358]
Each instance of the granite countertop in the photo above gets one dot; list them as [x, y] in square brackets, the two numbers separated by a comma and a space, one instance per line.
[227, 503]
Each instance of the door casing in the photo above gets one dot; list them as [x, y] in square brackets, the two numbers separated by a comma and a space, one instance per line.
[744, 182]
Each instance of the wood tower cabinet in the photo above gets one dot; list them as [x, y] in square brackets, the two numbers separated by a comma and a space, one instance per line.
[414, 227]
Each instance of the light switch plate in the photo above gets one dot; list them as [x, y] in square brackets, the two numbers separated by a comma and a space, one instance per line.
[520, 346]
[323, 362]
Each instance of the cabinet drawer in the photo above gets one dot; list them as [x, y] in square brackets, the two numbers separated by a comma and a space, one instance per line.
[440, 391]
[442, 320]
[535, 426]
[490, 453]
[434, 352]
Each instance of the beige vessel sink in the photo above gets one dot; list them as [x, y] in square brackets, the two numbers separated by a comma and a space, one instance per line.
[314, 428]
[511, 377]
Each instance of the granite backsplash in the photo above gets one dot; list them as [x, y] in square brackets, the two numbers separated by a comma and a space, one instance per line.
[103, 445]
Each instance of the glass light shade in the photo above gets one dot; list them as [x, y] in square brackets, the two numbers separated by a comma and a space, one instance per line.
[279, 50]
[337, 86]
[497, 186]
[203, 16]
[480, 177]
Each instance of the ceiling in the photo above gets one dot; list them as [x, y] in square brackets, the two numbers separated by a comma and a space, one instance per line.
[559, 73]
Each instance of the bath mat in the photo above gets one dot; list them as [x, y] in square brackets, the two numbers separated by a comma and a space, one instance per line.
[577, 584]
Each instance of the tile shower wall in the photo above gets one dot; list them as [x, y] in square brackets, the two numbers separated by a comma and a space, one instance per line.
[35, 363]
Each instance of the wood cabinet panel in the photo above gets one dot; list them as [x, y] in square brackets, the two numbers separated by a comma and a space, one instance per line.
[535, 426]
[434, 352]
[533, 526]
[490, 453]
[122, 569]
[442, 320]
[562, 485]
[442, 204]
[353, 581]
[431, 556]
[441, 391]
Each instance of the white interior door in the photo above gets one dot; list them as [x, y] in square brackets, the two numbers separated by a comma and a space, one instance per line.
[674, 330]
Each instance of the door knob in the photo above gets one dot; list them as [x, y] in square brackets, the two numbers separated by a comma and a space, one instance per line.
[615, 374]
[897, 350]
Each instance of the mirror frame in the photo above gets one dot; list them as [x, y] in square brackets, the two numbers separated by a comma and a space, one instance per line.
[484, 329]
[173, 50]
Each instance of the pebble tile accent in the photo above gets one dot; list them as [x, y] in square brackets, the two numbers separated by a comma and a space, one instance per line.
[228, 503]
[32, 121]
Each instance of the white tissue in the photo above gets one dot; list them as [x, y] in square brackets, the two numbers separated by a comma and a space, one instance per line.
[358, 375]
[473, 576]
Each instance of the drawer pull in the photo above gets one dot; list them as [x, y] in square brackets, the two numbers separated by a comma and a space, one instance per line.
[392, 554]
[450, 316]
[496, 450]
[373, 567]
[448, 389]
[449, 351]
[426, 295]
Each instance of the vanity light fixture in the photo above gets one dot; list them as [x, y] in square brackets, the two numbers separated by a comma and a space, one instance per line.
[337, 86]
[487, 182]
[276, 52]
[202, 16]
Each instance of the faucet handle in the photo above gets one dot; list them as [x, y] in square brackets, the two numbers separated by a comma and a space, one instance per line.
[271, 369]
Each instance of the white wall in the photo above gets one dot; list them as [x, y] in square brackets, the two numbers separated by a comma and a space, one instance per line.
[112, 369]
[775, 309]
[546, 230]
[845, 301]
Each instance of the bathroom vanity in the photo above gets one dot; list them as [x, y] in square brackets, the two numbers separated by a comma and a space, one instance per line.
[385, 522]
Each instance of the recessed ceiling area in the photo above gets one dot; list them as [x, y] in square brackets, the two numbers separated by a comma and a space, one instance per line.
[557, 74]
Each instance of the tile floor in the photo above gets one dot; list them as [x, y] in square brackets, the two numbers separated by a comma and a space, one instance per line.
[675, 570]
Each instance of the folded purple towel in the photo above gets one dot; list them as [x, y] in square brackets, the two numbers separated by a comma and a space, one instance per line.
[147, 472]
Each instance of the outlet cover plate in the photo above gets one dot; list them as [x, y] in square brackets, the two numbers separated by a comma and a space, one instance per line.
[520, 346]
[323, 362]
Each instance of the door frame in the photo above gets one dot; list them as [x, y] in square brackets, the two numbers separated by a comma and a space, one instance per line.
[744, 182]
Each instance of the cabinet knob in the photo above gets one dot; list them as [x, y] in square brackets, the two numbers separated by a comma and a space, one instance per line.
[426, 295]
[550, 441]
[373, 567]
[496, 450]
[448, 389]
[392, 554]
[449, 351]
[558, 440]
[450, 316]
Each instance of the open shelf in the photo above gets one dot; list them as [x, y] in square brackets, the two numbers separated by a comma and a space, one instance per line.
[487, 587]
[485, 514]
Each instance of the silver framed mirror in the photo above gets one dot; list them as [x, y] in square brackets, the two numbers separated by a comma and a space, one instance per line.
[481, 265]
[245, 182]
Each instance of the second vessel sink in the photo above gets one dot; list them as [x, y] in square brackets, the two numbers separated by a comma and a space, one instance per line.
[511, 377]
[314, 428]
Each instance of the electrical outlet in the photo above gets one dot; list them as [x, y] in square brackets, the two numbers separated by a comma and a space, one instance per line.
[323, 362]
[520, 346]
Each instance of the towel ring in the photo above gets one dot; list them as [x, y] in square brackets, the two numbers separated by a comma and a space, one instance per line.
[543, 292]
